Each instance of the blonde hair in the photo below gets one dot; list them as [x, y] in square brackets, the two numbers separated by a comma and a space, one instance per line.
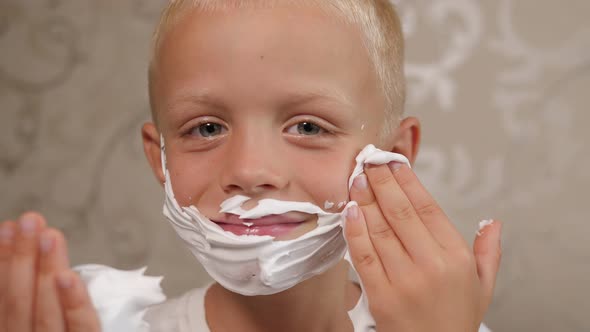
[377, 20]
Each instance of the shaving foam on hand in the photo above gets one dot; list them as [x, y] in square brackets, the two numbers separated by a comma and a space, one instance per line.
[121, 298]
[483, 224]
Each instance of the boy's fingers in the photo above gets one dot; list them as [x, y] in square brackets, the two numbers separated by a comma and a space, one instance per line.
[488, 253]
[79, 313]
[52, 259]
[394, 257]
[7, 237]
[21, 279]
[401, 215]
[361, 192]
[428, 210]
[54, 252]
[362, 253]
[388, 246]
[7, 234]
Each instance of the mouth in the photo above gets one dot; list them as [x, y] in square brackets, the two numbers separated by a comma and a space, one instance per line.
[273, 225]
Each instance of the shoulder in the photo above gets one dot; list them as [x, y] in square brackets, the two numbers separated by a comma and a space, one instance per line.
[173, 315]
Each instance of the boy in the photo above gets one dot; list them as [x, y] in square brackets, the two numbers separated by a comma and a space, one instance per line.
[273, 100]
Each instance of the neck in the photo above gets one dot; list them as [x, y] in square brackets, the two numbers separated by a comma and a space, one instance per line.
[320, 303]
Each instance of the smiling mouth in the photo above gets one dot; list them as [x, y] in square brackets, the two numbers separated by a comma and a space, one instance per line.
[274, 230]
[273, 225]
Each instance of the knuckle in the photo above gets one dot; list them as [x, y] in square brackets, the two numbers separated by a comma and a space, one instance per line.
[381, 180]
[404, 212]
[365, 260]
[379, 308]
[43, 323]
[23, 250]
[413, 287]
[427, 210]
[382, 232]
[464, 258]
[404, 178]
[437, 267]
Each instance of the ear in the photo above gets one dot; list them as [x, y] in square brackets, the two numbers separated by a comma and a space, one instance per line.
[407, 138]
[151, 147]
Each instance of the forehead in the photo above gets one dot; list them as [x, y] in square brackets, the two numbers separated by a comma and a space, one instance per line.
[263, 52]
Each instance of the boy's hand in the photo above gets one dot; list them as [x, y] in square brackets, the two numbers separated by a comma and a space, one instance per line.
[38, 291]
[418, 272]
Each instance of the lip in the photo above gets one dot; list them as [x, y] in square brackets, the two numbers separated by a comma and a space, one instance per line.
[273, 225]
[274, 219]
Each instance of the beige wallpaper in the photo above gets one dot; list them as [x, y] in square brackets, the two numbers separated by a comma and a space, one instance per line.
[501, 86]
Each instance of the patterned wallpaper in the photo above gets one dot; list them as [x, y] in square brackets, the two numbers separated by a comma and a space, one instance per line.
[501, 88]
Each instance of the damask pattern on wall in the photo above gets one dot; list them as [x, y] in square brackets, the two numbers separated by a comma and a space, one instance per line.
[502, 89]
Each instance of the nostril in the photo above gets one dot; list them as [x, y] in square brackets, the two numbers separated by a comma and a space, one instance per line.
[237, 189]
[232, 188]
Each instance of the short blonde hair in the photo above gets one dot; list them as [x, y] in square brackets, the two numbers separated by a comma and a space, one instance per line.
[377, 19]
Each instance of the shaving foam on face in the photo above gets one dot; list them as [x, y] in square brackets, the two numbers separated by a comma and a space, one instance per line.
[259, 265]
[121, 298]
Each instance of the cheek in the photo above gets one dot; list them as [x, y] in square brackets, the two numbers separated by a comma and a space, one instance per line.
[328, 181]
[188, 186]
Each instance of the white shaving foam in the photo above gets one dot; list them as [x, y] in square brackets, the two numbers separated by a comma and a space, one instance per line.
[258, 265]
[372, 155]
[483, 224]
[121, 298]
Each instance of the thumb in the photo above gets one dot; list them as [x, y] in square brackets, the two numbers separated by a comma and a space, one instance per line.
[487, 250]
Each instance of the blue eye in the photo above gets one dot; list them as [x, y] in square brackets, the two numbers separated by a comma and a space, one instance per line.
[208, 130]
[306, 129]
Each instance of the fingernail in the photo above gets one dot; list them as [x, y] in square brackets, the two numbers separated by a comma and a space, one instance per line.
[28, 225]
[6, 235]
[361, 182]
[395, 166]
[64, 281]
[46, 243]
[352, 213]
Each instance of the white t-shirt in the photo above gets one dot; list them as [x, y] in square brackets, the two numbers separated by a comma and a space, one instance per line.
[187, 314]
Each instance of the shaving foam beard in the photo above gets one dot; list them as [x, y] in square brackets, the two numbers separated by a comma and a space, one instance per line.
[257, 265]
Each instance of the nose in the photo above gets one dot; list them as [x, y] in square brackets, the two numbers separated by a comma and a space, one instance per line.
[253, 168]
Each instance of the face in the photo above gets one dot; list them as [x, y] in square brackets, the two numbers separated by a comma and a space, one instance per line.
[266, 103]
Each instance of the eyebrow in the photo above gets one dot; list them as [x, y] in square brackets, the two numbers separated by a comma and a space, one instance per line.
[299, 99]
[193, 98]
[291, 101]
